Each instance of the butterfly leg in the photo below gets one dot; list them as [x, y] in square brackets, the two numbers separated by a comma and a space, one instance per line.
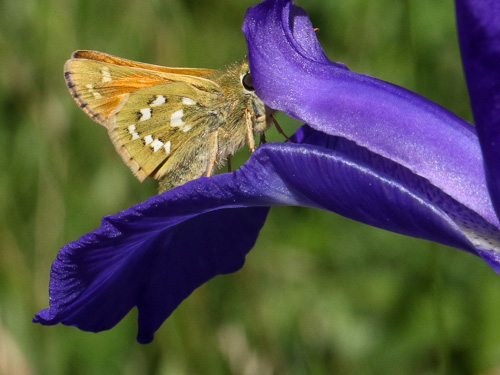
[278, 127]
[213, 144]
[248, 121]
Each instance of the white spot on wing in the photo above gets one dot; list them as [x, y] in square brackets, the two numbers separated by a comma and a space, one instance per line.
[90, 87]
[167, 147]
[106, 75]
[160, 99]
[186, 128]
[156, 144]
[131, 130]
[148, 139]
[188, 101]
[145, 114]
[176, 119]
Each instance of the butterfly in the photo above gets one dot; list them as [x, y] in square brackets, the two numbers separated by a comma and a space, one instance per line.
[173, 124]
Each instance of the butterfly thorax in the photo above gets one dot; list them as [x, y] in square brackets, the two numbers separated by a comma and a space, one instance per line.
[241, 112]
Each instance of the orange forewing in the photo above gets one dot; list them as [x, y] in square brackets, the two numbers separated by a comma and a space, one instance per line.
[99, 98]
[110, 59]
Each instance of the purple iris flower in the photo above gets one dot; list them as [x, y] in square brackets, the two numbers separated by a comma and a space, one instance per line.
[372, 151]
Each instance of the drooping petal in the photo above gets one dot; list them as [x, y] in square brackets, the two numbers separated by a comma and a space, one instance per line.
[155, 254]
[152, 256]
[291, 73]
[479, 31]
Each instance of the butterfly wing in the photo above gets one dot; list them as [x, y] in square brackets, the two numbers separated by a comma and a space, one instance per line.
[152, 113]
[98, 82]
[157, 130]
[118, 61]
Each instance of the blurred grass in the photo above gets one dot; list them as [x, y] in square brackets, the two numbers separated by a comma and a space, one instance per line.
[319, 294]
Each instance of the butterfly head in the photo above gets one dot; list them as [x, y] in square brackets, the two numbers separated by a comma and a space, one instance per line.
[242, 78]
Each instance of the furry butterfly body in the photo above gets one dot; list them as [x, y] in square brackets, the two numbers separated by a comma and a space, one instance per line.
[173, 124]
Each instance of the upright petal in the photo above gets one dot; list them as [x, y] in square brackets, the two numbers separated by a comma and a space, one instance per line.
[478, 24]
[291, 73]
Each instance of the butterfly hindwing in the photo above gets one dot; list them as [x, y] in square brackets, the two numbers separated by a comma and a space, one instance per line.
[154, 124]
[150, 111]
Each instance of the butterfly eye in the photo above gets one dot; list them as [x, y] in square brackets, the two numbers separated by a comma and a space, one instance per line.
[247, 82]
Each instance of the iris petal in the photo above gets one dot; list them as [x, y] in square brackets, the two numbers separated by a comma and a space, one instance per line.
[373, 152]
[386, 119]
[152, 256]
[479, 32]
[155, 254]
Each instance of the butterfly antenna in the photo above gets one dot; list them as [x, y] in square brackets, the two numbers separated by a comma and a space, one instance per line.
[229, 164]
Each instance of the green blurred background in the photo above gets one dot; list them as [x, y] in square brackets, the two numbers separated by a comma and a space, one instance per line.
[319, 294]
